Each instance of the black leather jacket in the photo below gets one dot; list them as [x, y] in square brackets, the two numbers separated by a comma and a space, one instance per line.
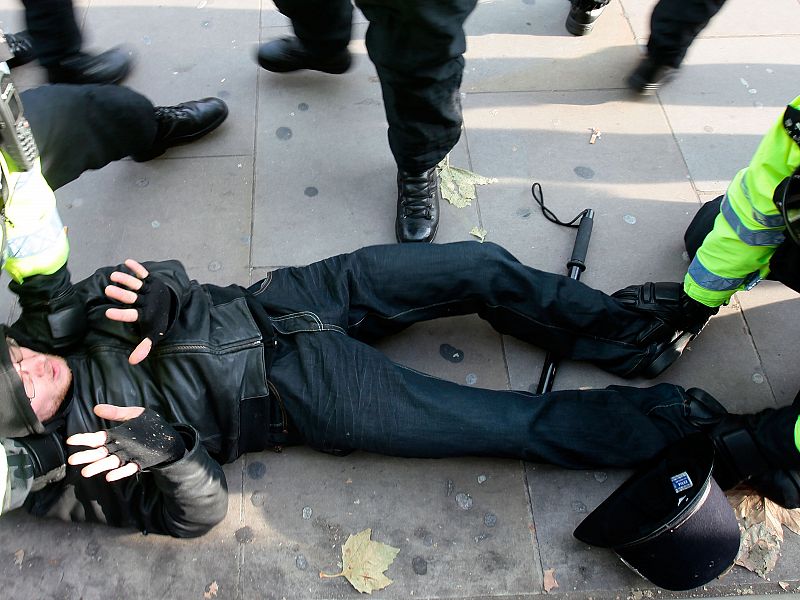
[210, 364]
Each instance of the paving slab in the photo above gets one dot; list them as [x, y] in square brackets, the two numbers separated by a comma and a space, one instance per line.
[462, 526]
[187, 50]
[50, 559]
[302, 170]
[193, 210]
[522, 46]
[770, 311]
[736, 19]
[545, 137]
[727, 95]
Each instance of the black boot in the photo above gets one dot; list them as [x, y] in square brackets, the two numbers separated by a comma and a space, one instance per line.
[583, 14]
[757, 449]
[111, 66]
[648, 77]
[184, 123]
[289, 54]
[676, 320]
[418, 198]
[21, 46]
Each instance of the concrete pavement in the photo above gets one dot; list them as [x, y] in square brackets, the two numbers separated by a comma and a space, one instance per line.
[301, 170]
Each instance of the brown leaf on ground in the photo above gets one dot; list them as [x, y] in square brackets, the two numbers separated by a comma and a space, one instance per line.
[364, 561]
[761, 523]
[550, 582]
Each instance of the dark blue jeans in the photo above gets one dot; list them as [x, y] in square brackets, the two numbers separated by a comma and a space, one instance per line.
[341, 394]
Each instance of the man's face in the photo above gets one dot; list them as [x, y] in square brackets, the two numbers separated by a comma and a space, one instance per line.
[50, 377]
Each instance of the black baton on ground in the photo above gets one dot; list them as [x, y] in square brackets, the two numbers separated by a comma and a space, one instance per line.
[575, 266]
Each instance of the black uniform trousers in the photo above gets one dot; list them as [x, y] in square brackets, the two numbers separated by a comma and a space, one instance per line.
[417, 47]
[83, 127]
[54, 30]
[673, 26]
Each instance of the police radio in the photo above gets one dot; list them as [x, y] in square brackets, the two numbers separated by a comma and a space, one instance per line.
[16, 138]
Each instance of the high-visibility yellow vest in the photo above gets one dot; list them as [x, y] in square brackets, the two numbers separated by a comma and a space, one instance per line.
[735, 255]
[36, 241]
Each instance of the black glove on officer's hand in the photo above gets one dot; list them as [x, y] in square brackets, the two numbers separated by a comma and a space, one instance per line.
[53, 316]
[669, 304]
[147, 440]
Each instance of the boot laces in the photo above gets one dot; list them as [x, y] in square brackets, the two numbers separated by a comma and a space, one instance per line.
[171, 112]
[416, 196]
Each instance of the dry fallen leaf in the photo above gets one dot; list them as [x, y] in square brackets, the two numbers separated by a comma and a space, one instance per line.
[213, 588]
[458, 185]
[550, 582]
[364, 561]
[19, 556]
[761, 522]
[478, 232]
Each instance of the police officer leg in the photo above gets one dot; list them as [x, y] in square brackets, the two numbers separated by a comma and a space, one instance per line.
[78, 128]
[322, 30]
[701, 226]
[673, 26]
[417, 49]
[53, 29]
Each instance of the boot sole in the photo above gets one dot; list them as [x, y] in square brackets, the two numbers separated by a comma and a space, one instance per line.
[334, 69]
[578, 29]
[668, 355]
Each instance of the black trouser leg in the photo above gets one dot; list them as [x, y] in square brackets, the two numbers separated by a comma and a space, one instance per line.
[417, 48]
[53, 28]
[82, 127]
[673, 26]
[342, 395]
[322, 25]
[380, 290]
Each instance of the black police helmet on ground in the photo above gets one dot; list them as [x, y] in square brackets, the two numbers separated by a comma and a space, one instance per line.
[670, 522]
[17, 418]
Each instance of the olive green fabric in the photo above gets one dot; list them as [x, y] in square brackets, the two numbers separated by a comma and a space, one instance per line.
[16, 475]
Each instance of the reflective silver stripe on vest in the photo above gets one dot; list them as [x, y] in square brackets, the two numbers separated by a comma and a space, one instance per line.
[38, 241]
[771, 221]
[760, 237]
[711, 281]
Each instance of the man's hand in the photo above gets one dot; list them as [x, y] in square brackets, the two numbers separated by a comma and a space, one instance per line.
[144, 440]
[153, 302]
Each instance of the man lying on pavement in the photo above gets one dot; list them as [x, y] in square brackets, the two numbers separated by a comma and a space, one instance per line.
[172, 378]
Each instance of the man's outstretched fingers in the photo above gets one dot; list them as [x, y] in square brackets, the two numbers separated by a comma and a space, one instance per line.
[124, 471]
[124, 315]
[121, 295]
[129, 281]
[111, 412]
[108, 463]
[95, 439]
[141, 351]
[137, 268]
[88, 456]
